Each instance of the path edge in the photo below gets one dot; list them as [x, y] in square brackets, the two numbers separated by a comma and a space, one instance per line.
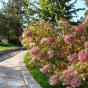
[29, 81]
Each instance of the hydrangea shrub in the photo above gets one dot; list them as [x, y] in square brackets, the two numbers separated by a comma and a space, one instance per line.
[62, 51]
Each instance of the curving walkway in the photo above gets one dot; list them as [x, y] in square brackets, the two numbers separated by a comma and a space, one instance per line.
[13, 73]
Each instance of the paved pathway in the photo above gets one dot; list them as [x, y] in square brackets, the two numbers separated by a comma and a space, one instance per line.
[8, 55]
[13, 73]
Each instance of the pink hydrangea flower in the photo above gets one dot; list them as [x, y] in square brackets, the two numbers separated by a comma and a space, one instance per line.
[75, 82]
[83, 56]
[45, 69]
[51, 55]
[41, 56]
[80, 29]
[35, 51]
[69, 39]
[86, 44]
[51, 39]
[68, 76]
[44, 40]
[73, 58]
[28, 34]
[70, 68]
[53, 80]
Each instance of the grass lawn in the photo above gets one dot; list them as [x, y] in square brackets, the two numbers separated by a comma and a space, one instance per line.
[42, 79]
[7, 46]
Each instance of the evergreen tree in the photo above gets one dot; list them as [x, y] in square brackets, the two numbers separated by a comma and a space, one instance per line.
[51, 10]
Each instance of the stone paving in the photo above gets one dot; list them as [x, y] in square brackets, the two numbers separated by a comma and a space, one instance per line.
[13, 73]
[8, 55]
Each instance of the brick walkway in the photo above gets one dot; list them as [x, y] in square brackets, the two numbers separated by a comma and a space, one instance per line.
[13, 73]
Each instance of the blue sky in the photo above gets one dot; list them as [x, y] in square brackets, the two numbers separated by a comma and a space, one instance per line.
[79, 4]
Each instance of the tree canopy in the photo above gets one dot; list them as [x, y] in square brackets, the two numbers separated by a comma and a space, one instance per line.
[51, 10]
[11, 19]
[16, 13]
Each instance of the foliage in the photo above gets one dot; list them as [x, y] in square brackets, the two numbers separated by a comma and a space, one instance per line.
[14, 41]
[11, 19]
[50, 10]
[61, 51]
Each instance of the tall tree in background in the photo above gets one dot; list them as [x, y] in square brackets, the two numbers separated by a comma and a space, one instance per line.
[31, 13]
[12, 12]
[17, 12]
[55, 9]
[5, 29]
[52, 10]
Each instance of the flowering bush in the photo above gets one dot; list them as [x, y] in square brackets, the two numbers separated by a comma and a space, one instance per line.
[62, 51]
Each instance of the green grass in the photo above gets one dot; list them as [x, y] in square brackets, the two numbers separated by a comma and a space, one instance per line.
[7, 46]
[42, 79]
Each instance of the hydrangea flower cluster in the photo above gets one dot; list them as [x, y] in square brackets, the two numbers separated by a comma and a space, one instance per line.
[53, 80]
[69, 39]
[73, 58]
[70, 77]
[35, 51]
[45, 69]
[80, 29]
[83, 56]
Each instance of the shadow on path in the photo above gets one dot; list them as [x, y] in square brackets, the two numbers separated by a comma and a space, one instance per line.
[8, 55]
[11, 77]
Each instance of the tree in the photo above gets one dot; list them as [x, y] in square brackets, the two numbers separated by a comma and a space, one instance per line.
[4, 26]
[12, 12]
[52, 10]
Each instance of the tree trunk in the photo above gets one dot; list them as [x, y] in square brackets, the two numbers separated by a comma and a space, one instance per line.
[8, 38]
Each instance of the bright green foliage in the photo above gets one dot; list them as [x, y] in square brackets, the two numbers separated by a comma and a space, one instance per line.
[51, 10]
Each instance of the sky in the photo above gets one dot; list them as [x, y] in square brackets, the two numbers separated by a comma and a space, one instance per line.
[79, 4]
[1, 4]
